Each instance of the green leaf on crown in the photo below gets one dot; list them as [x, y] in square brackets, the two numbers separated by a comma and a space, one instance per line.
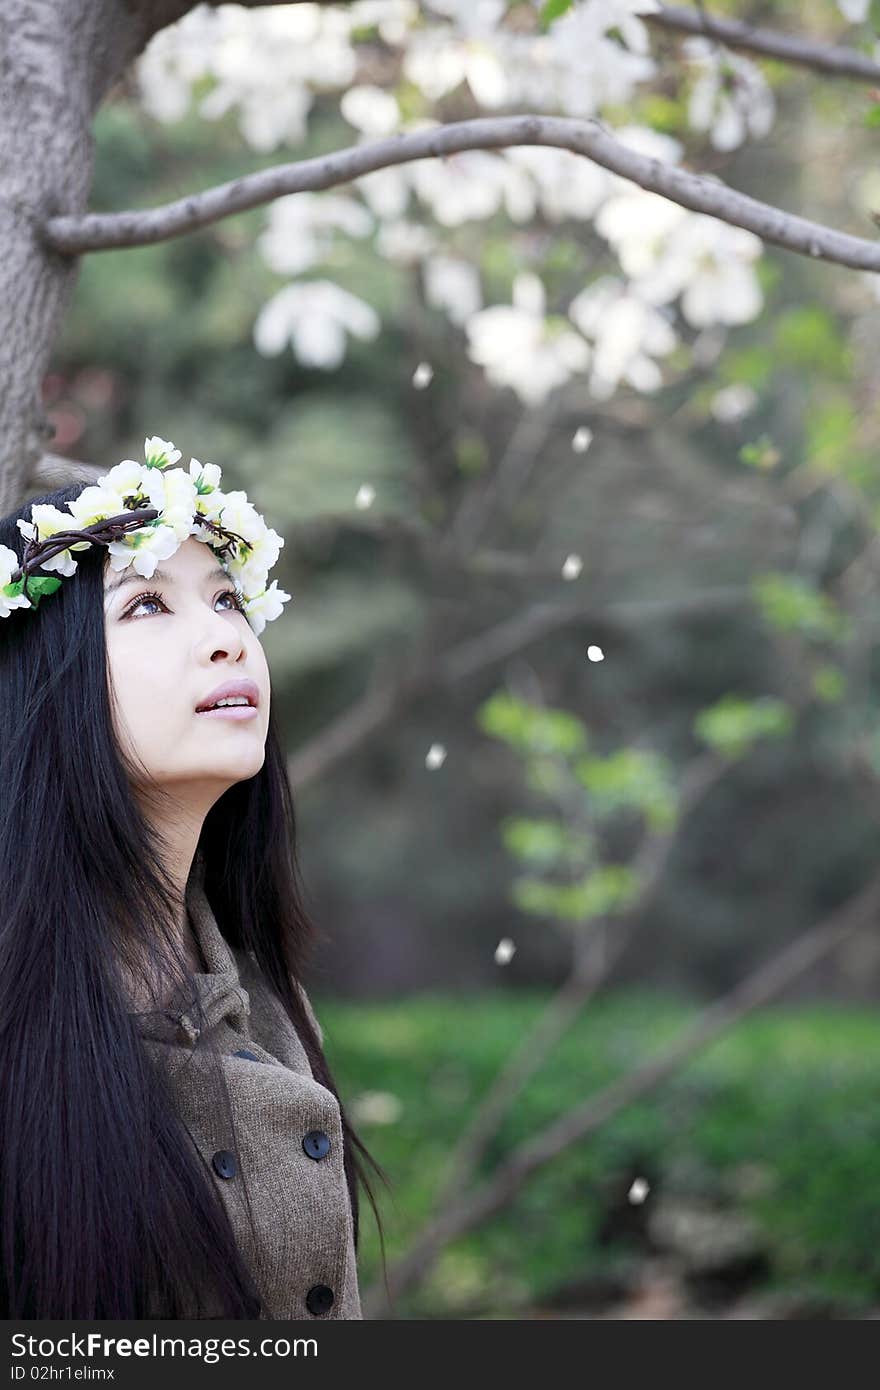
[39, 585]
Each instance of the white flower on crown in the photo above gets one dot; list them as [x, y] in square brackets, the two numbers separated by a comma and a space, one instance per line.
[130, 485]
[142, 550]
[237, 514]
[107, 497]
[266, 606]
[8, 562]
[46, 521]
[206, 476]
[173, 494]
[254, 572]
[160, 453]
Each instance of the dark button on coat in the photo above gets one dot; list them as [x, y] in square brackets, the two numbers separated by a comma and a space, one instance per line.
[303, 1237]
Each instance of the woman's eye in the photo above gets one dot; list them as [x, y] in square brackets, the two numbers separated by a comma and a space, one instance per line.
[232, 594]
[236, 601]
[144, 598]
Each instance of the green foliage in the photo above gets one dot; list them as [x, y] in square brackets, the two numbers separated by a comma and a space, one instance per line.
[551, 10]
[733, 725]
[591, 788]
[608, 889]
[753, 365]
[631, 778]
[547, 777]
[806, 337]
[787, 1098]
[791, 603]
[545, 842]
[832, 444]
[761, 453]
[529, 729]
[662, 113]
[39, 585]
[829, 684]
[471, 453]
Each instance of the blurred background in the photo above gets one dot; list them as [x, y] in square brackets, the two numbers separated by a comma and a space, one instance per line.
[579, 678]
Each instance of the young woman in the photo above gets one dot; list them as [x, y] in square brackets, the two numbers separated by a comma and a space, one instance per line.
[172, 1142]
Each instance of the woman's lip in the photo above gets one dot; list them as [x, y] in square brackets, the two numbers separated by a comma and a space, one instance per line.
[229, 712]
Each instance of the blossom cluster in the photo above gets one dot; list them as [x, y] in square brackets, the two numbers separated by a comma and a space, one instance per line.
[269, 64]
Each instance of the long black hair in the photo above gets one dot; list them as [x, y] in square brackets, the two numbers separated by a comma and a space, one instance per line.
[103, 1197]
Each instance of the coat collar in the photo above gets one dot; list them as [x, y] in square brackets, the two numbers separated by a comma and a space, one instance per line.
[218, 992]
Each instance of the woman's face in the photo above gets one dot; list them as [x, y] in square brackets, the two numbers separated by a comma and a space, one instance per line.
[166, 656]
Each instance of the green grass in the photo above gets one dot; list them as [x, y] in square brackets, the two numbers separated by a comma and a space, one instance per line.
[790, 1095]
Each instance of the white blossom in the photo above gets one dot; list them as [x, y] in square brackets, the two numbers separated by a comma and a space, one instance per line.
[266, 64]
[733, 402]
[453, 285]
[392, 18]
[567, 184]
[623, 16]
[372, 110]
[301, 226]
[46, 521]
[856, 11]
[314, 317]
[386, 190]
[593, 70]
[9, 562]
[709, 264]
[265, 607]
[520, 348]
[438, 60]
[626, 333]
[175, 58]
[473, 184]
[729, 113]
[405, 242]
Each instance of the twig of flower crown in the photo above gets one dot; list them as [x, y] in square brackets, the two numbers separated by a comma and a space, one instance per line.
[102, 533]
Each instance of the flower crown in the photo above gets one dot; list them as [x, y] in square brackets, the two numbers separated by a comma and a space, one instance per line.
[143, 512]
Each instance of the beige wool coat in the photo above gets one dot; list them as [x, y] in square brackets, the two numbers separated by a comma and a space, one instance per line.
[288, 1129]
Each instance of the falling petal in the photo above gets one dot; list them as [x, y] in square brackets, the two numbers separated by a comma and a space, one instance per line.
[572, 567]
[365, 496]
[639, 1191]
[436, 756]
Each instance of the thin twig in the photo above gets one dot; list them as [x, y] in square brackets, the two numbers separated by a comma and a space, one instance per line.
[786, 48]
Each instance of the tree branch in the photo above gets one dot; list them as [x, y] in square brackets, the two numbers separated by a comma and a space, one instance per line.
[74, 235]
[786, 48]
[53, 471]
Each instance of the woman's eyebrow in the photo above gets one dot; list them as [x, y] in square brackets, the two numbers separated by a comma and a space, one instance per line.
[162, 576]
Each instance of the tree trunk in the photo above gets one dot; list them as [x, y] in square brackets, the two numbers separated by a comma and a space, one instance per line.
[58, 59]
